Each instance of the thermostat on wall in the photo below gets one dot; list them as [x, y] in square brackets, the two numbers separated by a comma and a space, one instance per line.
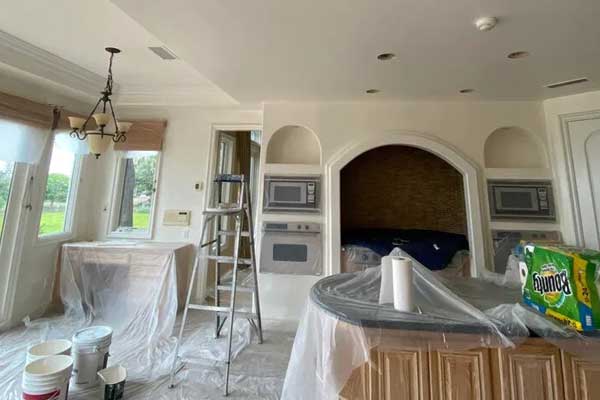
[177, 217]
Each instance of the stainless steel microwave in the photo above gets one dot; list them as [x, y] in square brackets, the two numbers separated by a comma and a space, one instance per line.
[292, 194]
[521, 200]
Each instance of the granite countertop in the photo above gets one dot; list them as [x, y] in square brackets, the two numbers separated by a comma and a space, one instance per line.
[334, 295]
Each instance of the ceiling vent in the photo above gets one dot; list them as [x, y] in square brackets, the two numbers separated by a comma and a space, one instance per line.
[163, 53]
[567, 83]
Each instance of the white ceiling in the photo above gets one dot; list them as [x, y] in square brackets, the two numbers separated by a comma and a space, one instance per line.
[326, 50]
[78, 31]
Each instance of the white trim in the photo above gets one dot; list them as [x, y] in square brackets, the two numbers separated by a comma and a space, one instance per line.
[68, 227]
[116, 196]
[14, 233]
[573, 198]
[201, 288]
[431, 144]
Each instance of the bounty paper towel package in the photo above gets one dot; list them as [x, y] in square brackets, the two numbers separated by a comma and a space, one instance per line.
[561, 282]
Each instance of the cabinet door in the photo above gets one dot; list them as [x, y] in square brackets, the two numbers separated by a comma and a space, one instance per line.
[461, 375]
[402, 375]
[582, 378]
[532, 371]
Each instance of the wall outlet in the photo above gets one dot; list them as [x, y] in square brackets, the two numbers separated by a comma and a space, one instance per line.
[199, 186]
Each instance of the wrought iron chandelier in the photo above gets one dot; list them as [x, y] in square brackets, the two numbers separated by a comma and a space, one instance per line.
[98, 139]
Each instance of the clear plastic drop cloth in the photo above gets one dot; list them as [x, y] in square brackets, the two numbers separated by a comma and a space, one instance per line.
[343, 321]
[134, 290]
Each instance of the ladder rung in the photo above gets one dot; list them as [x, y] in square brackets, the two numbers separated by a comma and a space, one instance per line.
[229, 178]
[204, 307]
[233, 233]
[223, 211]
[227, 288]
[240, 314]
[230, 260]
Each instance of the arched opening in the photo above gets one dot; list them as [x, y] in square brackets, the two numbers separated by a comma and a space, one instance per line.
[407, 197]
[433, 145]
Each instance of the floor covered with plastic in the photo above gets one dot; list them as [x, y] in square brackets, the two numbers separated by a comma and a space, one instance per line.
[257, 371]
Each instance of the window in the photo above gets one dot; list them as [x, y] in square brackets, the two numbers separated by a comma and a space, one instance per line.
[6, 177]
[61, 187]
[135, 192]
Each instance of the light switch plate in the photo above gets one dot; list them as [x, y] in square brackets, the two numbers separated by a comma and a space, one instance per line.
[177, 217]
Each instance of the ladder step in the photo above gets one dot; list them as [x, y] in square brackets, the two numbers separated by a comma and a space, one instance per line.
[230, 260]
[204, 307]
[229, 178]
[244, 289]
[223, 211]
[233, 233]
[239, 314]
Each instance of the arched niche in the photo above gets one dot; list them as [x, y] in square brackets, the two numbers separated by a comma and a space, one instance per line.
[294, 144]
[514, 147]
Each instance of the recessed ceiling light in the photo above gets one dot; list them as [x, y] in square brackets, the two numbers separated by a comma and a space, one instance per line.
[386, 56]
[518, 54]
[372, 91]
[486, 23]
[466, 90]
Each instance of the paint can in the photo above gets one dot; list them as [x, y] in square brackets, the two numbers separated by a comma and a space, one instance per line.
[48, 348]
[113, 382]
[47, 378]
[90, 354]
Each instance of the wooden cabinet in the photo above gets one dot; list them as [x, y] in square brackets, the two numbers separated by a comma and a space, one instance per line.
[532, 371]
[401, 374]
[581, 378]
[460, 375]
[535, 370]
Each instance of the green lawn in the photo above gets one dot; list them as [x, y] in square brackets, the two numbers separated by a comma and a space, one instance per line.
[54, 221]
[141, 220]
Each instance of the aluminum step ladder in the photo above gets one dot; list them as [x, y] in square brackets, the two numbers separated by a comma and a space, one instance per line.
[242, 212]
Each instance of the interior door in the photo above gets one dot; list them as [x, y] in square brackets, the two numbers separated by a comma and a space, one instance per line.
[584, 139]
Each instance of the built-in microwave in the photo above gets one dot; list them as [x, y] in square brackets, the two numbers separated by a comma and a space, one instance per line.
[521, 199]
[292, 194]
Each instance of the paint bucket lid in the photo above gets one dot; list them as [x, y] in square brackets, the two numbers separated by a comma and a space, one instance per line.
[50, 348]
[94, 335]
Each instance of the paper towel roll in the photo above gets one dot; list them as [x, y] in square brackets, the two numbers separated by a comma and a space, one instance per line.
[403, 284]
[386, 291]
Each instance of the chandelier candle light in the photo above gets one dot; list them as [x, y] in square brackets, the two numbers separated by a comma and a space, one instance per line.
[98, 139]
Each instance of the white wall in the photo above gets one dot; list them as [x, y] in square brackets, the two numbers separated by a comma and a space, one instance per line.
[184, 162]
[554, 109]
[464, 126]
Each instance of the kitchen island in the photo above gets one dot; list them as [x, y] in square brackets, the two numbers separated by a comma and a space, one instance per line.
[362, 350]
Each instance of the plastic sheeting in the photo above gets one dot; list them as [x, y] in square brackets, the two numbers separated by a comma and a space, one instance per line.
[342, 322]
[133, 289]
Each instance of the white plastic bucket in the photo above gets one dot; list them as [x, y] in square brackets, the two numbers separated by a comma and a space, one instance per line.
[113, 382]
[90, 354]
[47, 378]
[48, 348]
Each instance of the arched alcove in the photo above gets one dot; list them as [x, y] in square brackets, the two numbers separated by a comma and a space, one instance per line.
[422, 141]
[514, 147]
[294, 144]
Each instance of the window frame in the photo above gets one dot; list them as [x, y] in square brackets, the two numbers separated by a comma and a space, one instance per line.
[117, 192]
[68, 231]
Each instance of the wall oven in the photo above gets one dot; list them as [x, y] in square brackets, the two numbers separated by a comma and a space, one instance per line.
[292, 194]
[291, 248]
[521, 200]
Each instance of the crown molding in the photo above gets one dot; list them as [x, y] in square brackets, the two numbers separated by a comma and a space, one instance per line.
[36, 64]
[173, 95]
[43, 64]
